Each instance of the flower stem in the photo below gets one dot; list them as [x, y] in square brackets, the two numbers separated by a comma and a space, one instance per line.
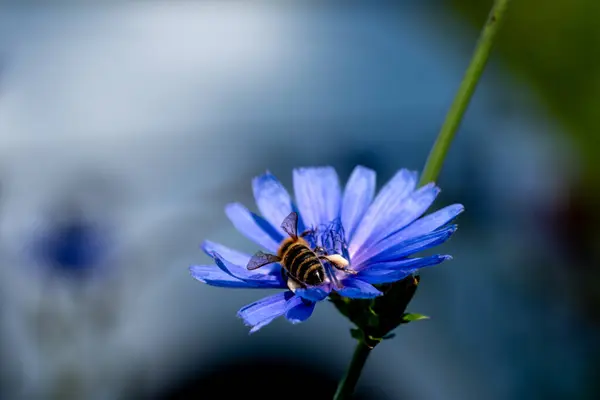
[463, 96]
[348, 382]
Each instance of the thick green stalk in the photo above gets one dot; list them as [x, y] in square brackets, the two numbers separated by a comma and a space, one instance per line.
[433, 166]
[348, 382]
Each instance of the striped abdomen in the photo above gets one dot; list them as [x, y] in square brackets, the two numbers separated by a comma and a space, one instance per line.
[301, 262]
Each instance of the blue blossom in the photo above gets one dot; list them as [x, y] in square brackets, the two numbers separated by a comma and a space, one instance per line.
[377, 235]
[73, 246]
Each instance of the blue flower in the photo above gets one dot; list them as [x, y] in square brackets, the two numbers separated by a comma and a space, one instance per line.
[73, 247]
[377, 235]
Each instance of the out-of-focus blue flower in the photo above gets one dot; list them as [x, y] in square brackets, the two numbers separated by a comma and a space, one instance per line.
[73, 246]
[376, 234]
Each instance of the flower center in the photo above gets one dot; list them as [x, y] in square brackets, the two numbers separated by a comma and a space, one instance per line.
[329, 238]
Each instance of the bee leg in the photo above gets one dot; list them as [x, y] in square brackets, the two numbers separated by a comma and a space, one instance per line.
[292, 283]
[320, 251]
[338, 262]
[307, 232]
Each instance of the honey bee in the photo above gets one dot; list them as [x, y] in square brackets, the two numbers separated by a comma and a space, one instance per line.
[301, 265]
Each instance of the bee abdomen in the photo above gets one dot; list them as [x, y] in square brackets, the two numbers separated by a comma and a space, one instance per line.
[303, 264]
[285, 246]
[294, 256]
[311, 272]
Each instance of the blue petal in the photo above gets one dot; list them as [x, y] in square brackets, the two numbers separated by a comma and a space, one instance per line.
[408, 210]
[233, 256]
[213, 276]
[253, 227]
[262, 312]
[358, 289]
[272, 199]
[428, 223]
[358, 195]
[383, 207]
[313, 294]
[420, 227]
[392, 271]
[406, 264]
[411, 208]
[388, 277]
[252, 278]
[298, 310]
[318, 195]
[389, 250]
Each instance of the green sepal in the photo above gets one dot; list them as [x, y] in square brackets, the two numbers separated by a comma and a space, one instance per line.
[376, 318]
[409, 317]
[357, 334]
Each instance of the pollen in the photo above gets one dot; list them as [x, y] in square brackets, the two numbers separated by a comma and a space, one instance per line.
[338, 260]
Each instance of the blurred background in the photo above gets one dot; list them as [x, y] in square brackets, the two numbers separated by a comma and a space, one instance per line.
[125, 128]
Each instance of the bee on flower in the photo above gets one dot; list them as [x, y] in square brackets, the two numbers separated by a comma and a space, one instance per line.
[327, 240]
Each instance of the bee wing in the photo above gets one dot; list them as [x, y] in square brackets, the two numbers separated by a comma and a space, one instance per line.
[290, 224]
[260, 259]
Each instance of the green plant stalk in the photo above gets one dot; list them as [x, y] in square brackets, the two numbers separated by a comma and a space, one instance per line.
[438, 152]
[348, 382]
[437, 155]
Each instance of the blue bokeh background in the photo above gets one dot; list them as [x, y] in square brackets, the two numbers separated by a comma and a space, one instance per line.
[126, 128]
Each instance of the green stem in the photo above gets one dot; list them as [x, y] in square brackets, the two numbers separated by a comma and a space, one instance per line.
[457, 110]
[348, 382]
[437, 155]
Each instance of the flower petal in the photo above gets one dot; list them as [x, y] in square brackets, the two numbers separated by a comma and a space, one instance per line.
[429, 222]
[233, 256]
[213, 276]
[388, 276]
[390, 251]
[298, 310]
[406, 264]
[408, 210]
[253, 278]
[263, 311]
[313, 294]
[358, 195]
[420, 227]
[272, 199]
[358, 289]
[393, 271]
[411, 208]
[253, 227]
[384, 205]
[318, 195]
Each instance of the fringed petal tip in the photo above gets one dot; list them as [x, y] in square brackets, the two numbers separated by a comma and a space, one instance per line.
[265, 310]
[228, 274]
[253, 328]
[233, 256]
[196, 272]
[213, 276]
[454, 210]
[389, 272]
